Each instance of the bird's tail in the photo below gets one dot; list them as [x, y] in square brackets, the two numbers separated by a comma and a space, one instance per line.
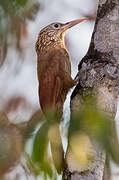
[56, 147]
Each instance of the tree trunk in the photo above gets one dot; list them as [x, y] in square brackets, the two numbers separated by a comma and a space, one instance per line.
[99, 72]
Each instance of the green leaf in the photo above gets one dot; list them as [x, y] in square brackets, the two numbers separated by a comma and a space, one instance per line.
[47, 169]
[40, 144]
[40, 157]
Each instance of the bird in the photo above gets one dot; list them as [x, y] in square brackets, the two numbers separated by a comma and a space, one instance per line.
[54, 79]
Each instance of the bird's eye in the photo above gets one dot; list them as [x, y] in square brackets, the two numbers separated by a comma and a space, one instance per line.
[56, 25]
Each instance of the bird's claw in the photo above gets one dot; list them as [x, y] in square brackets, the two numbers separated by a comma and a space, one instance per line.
[76, 79]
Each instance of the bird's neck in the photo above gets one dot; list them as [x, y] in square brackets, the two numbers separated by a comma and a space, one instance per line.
[54, 45]
[42, 46]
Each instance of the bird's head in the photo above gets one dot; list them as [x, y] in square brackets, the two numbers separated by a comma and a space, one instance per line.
[53, 34]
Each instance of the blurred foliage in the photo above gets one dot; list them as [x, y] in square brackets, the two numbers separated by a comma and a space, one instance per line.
[11, 145]
[81, 149]
[13, 17]
[40, 153]
[87, 124]
[97, 125]
[41, 159]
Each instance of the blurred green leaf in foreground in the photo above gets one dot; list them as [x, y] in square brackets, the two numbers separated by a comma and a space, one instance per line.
[13, 18]
[41, 159]
[91, 123]
[87, 125]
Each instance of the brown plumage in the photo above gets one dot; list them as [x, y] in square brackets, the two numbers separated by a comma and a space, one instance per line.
[54, 76]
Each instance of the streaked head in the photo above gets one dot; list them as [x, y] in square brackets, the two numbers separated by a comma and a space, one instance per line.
[53, 34]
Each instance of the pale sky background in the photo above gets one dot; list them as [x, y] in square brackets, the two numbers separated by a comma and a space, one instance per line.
[23, 81]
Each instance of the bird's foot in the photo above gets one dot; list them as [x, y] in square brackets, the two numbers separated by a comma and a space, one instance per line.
[76, 79]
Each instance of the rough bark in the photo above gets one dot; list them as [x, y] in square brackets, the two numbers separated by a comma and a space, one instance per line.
[99, 72]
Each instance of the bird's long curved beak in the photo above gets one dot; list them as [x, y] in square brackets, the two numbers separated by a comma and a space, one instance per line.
[70, 24]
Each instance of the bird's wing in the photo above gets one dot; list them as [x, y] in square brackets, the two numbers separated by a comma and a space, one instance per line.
[51, 77]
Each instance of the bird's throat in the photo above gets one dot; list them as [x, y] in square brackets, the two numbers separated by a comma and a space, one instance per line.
[44, 44]
[53, 44]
